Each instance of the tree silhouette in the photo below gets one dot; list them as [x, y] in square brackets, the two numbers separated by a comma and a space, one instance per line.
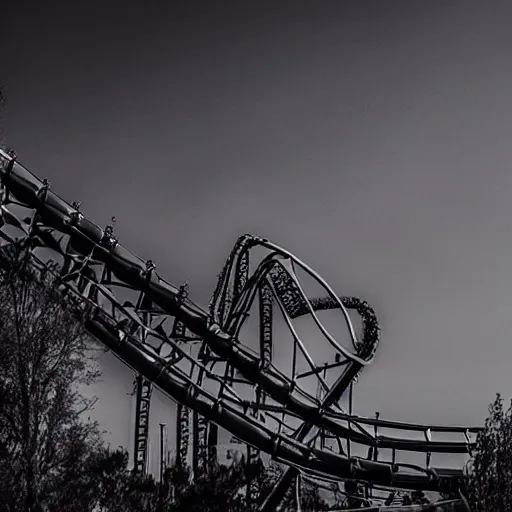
[488, 479]
[223, 489]
[44, 441]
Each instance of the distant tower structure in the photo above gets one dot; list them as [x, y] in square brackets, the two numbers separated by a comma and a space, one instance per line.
[199, 443]
[182, 434]
[143, 391]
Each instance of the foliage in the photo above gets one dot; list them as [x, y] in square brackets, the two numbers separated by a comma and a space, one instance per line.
[223, 489]
[218, 490]
[44, 442]
[114, 488]
[488, 479]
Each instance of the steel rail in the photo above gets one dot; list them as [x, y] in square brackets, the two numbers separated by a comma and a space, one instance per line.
[89, 240]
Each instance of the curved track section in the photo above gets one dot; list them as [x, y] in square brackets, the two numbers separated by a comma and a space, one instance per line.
[201, 358]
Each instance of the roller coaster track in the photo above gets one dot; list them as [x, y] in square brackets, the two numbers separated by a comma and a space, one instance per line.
[201, 359]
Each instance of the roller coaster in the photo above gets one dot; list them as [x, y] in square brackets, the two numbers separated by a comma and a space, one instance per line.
[261, 361]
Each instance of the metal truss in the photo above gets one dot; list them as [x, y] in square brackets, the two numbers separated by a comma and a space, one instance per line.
[143, 390]
[213, 363]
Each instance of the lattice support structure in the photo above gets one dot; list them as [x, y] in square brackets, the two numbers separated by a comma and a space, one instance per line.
[200, 444]
[143, 402]
[179, 333]
[213, 440]
[182, 434]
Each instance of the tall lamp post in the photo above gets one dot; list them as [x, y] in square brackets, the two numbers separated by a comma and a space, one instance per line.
[162, 455]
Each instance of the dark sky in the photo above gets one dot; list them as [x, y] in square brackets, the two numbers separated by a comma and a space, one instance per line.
[371, 138]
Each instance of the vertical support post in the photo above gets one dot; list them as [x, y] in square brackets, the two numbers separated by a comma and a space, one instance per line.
[183, 415]
[253, 456]
[350, 412]
[375, 456]
[213, 440]
[163, 488]
[143, 402]
[199, 443]
[195, 443]
[162, 452]
[182, 434]
[319, 390]
[428, 437]
[376, 432]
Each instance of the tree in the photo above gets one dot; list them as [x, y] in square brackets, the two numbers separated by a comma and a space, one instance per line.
[223, 489]
[44, 442]
[114, 487]
[220, 489]
[488, 479]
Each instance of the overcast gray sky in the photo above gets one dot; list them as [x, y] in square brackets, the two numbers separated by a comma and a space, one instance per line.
[371, 138]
